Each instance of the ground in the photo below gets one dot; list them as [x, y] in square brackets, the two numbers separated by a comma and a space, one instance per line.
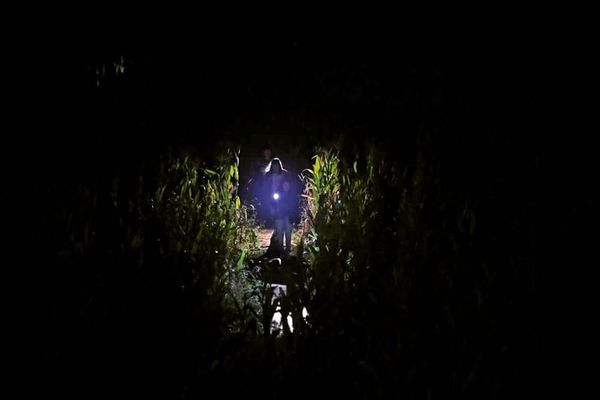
[275, 270]
[263, 236]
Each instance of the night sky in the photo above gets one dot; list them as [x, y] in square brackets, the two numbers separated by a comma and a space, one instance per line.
[506, 120]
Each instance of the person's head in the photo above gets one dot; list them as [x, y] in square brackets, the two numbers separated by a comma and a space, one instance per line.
[267, 153]
[275, 166]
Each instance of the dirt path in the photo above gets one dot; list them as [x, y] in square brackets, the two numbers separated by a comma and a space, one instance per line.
[264, 238]
[279, 271]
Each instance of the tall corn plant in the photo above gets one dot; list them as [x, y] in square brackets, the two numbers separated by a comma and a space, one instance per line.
[201, 211]
[188, 213]
[208, 228]
[382, 245]
[341, 211]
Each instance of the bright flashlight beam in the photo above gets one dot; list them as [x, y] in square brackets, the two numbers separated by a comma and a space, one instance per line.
[276, 196]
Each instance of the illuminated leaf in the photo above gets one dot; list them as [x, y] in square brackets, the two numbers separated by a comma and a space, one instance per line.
[240, 263]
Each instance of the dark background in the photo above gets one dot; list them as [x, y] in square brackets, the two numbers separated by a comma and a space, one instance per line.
[508, 120]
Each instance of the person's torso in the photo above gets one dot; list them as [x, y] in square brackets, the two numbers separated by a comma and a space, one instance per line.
[276, 183]
[285, 205]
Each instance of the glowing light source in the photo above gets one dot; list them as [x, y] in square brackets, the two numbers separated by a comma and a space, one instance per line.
[277, 320]
[276, 196]
[304, 312]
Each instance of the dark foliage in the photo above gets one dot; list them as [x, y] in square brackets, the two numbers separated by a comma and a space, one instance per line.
[446, 236]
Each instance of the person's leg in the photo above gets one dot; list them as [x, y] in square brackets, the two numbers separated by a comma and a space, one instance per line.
[279, 232]
[288, 234]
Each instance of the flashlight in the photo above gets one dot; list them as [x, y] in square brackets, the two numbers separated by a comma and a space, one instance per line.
[276, 196]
